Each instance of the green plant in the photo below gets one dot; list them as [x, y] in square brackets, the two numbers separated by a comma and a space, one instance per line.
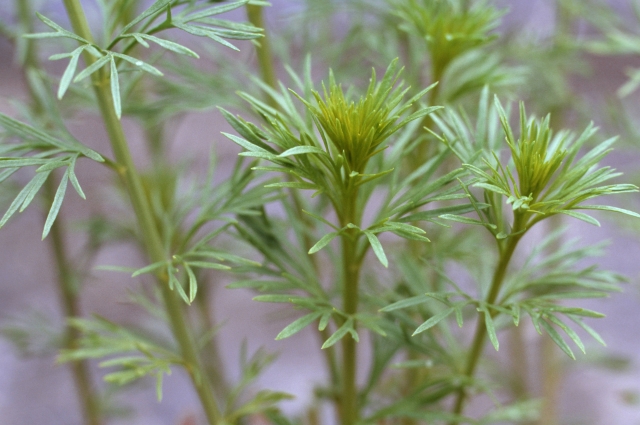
[357, 201]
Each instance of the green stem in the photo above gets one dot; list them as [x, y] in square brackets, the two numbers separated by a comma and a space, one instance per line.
[145, 219]
[351, 269]
[351, 263]
[268, 73]
[69, 300]
[480, 335]
[551, 372]
[263, 51]
[67, 289]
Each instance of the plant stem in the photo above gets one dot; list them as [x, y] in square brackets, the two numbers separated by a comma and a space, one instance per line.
[263, 50]
[350, 305]
[68, 298]
[146, 220]
[480, 335]
[67, 288]
[268, 73]
[550, 365]
[349, 409]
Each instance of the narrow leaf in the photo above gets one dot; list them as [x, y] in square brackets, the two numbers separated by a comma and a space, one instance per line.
[377, 248]
[346, 328]
[407, 302]
[57, 203]
[433, 320]
[193, 283]
[323, 242]
[74, 179]
[298, 150]
[555, 336]
[491, 329]
[69, 72]
[580, 216]
[150, 11]
[92, 68]
[298, 325]
[170, 45]
[115, 89]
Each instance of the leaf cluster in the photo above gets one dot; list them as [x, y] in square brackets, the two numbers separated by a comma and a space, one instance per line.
[37, 148]
[193, 19]
[544, 174]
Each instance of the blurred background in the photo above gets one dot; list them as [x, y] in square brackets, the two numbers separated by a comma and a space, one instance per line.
[601, 388]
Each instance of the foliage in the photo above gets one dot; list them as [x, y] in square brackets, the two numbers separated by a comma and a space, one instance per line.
[384, 220]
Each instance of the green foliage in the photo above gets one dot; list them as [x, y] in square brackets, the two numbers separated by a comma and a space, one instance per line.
[49, 153]
[195, 20]
[347, 203]
[134, 354]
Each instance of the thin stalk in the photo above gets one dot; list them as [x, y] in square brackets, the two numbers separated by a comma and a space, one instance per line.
[550, 366]
[263, 51]
[349, 409]
[69, 299]
[146, 221]
[480, 335]
[551, 371]
[67, 289]
[267, 71]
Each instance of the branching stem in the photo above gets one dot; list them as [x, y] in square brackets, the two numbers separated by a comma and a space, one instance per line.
[146, 221]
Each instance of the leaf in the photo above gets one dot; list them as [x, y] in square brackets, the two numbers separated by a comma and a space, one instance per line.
[215, 10]
[491, 328]
[346, 328]
[26, 131]
[208, 265]
[92, 68]
[60, 32]
[294, 185]
[407, 302]
[298, 325]
[580, 216]
[466, 220]
[149, 268]
[324, 321]
[21, 197]
[170, 45]
[140, 64]
[570, 332]
[193, 283]
[323, 242]
[377, 248]
[317, 217]
[426, 215]
[609, 208]
[433, 320]
[57, 203]
[175, 284]
[156, 7]
[555, 336]
[69, 72]
[205, 32]
[595, 335]
[33, 186]
[298, 150]
[74, 180]
[115, 89]
[242, 142]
